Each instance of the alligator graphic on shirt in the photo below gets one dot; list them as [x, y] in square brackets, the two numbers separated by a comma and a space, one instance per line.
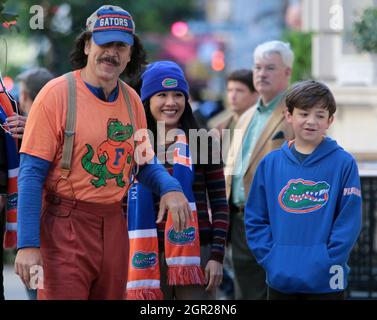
[303, 196]
[113, 155]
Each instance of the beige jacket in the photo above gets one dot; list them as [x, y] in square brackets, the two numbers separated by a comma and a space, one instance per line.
[276, 131]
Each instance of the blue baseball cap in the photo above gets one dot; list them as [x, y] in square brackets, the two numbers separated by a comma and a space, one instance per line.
[111, 24]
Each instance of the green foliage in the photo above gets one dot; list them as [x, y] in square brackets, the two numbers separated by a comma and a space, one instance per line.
[301, 44]
[158, 15]
[365, 31]
[149, 15]
[5, 17]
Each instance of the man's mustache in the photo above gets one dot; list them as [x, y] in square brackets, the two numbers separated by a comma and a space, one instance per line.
[108, 60]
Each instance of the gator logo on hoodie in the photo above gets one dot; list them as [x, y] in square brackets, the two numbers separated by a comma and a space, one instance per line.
[303, 196]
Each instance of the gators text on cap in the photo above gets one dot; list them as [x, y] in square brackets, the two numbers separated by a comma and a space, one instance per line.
[111, 24]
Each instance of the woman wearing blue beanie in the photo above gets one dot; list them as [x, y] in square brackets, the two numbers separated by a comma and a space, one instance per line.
[190, 263]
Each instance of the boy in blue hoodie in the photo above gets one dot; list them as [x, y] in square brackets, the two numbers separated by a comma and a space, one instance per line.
[303, 213]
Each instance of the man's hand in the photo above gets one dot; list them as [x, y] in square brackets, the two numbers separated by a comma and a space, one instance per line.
[16, 125]
[177, 204]
[25, 259]
[214, 274]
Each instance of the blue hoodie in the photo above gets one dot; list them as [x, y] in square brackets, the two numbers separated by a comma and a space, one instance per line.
[302, 219]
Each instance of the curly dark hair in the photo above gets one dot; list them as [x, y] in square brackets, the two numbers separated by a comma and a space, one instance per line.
[79, 59]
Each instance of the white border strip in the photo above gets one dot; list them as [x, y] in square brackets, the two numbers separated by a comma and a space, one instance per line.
[183, 261]
[13, 173]
[143, 283]
[144, 233]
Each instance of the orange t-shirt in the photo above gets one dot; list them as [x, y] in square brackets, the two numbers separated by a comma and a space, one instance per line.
[104, 146]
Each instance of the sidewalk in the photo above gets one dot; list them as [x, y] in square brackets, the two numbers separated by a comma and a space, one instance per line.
[13, 286]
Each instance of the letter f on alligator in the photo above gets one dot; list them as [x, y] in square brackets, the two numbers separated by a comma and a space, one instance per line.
[113, 154]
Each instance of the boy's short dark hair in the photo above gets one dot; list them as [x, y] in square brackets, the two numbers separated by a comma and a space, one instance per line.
[307, 94]
[242, 75]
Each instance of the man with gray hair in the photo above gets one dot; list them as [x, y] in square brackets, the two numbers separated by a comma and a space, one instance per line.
[263, 129]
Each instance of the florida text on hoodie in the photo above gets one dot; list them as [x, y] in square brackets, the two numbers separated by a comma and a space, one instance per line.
[302, 219]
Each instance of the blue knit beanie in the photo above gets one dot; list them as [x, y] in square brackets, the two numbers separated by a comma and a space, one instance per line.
[163, 76]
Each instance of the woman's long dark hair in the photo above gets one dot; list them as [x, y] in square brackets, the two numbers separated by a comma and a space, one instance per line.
[79, 59]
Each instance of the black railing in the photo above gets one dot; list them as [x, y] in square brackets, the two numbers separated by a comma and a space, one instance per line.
[363, 259]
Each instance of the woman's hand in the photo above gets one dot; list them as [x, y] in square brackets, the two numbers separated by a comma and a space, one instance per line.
[214, 274]
[177, 204]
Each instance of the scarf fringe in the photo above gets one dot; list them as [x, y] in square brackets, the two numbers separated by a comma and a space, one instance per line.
[10, 239]
[185, 275]
[144, 294]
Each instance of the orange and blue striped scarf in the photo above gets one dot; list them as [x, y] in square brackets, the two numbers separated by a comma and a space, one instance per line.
[182, 249]
[10, 236]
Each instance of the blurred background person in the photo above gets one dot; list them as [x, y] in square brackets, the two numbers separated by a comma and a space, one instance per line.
[196, 102]
[263, 129]
[9, 162]
[240, 97]
[31, 82]
[3, 191]
[241, 94]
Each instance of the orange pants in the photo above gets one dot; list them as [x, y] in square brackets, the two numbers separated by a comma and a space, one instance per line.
[84, 249]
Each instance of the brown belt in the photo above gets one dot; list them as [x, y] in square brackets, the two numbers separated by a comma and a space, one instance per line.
[97, 209]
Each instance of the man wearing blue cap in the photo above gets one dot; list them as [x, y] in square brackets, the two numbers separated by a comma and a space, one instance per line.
[77, 233]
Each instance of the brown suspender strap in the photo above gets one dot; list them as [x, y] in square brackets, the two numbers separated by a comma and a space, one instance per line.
[70, 125]
[128, 102]
[131, 114]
